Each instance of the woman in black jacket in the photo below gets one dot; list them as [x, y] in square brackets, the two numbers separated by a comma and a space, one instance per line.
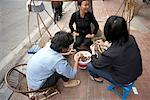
[83, 19]
[121, 62]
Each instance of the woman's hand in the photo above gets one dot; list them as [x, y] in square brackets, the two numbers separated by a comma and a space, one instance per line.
[102, 43]
[75, 33]
[92, 47]
[99, 42]
[89, 36]
[107, 44]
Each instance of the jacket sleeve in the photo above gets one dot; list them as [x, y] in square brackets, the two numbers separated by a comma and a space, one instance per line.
[72, 20]
[95, 23]
[64, 68]
[101, 61]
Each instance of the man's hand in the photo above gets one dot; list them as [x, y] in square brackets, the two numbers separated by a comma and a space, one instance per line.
[70, 52]
[78, 57]
[89, 36]
[77, 62]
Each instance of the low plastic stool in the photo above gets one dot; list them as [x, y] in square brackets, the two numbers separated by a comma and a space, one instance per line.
[126, 89]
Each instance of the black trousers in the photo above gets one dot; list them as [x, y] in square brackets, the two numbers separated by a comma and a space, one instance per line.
[52, 80]
[57, 7]
[80, 40]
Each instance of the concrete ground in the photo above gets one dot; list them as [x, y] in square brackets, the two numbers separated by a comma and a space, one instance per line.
[15, 42]
[140, 28]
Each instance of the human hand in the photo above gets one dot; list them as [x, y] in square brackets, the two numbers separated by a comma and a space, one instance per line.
[99, 42]
[78, 57]
[89, 36]
[107, 44]
[101, 46]
[70, 52]
[102, 43]
[92, 47]
[75, 33]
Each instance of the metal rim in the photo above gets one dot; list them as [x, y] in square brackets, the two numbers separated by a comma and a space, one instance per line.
[16, 90]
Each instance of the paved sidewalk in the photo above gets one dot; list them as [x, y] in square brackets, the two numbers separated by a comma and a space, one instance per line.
[89, 90]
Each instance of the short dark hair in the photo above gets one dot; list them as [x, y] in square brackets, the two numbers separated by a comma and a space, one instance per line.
[80, 2]
[61, 40]
[115, 29]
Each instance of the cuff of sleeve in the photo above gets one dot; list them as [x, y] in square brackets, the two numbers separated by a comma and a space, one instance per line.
[75, 71]
[94, 55]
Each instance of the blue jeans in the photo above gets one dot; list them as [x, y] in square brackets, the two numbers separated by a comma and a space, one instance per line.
[99, 73]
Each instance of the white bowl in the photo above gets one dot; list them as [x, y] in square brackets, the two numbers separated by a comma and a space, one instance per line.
[85, 54]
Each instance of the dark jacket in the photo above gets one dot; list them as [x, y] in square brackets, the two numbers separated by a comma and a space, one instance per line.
[83, 25]
[124, 62]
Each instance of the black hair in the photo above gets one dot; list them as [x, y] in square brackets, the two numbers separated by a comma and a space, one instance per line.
[61, 40]
[115, 29]
[80, 2]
